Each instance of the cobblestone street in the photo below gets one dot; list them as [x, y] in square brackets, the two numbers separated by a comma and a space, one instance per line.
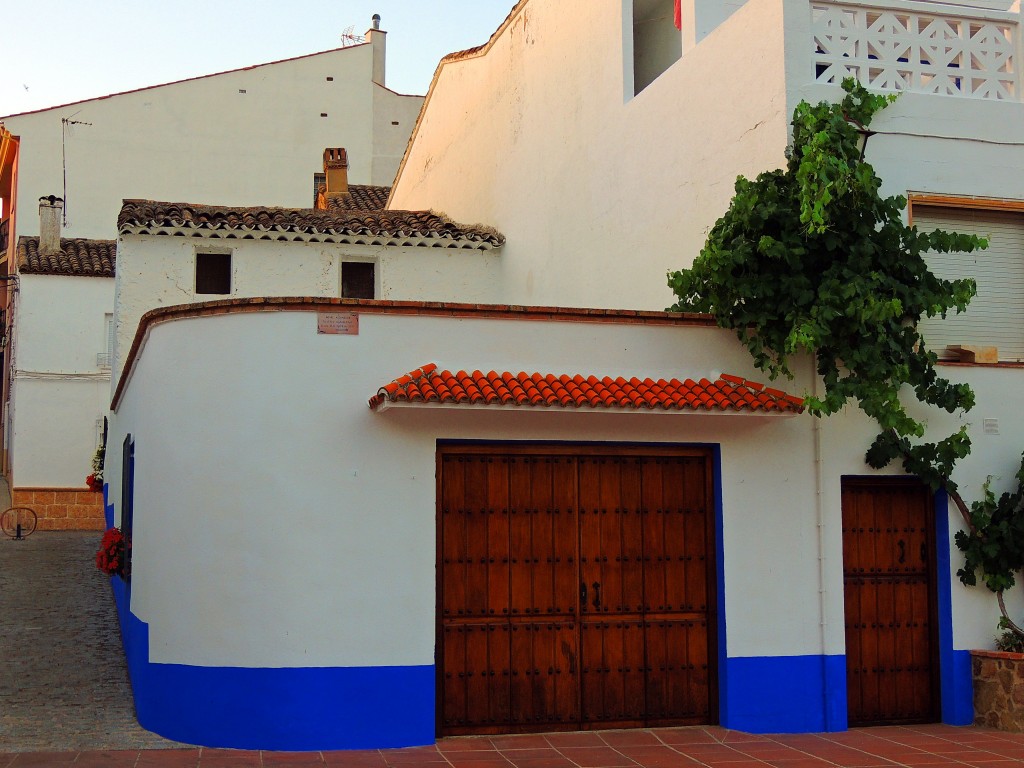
[63, 680]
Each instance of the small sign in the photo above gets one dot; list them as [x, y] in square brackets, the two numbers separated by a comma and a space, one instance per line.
[338, 322]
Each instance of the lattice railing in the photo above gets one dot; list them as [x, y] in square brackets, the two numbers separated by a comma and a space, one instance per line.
[894, 49]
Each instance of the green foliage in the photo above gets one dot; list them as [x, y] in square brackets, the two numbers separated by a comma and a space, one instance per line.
[995, 544]
[1010, 642]
[811, 259]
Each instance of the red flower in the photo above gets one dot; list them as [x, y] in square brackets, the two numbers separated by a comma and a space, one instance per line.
[94, 483]
[111, 555]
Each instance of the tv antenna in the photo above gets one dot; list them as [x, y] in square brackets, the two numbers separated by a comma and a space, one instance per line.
[348, 37]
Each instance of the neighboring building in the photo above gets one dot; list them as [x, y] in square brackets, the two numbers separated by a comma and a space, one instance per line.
[63, 371]
[249, 136]
[368, 523]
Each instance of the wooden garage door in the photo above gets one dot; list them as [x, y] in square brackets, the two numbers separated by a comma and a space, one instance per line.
[575, 590]
[889, 583]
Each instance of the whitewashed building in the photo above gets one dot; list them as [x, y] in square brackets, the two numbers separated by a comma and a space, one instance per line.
[421, 514]
[248, 136]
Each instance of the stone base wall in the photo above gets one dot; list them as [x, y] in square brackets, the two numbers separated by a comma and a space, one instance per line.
[62, 509]
[998, 689]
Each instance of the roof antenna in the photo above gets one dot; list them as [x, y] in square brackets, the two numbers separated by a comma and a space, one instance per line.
[348, 37]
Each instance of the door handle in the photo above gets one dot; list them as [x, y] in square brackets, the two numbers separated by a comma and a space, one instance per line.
[597, 594]
[903, 551]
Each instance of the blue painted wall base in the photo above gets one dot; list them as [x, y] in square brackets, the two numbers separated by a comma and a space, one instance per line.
[279, 709]
[784, 694]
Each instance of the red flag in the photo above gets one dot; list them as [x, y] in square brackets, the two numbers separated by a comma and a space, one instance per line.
[679, 15]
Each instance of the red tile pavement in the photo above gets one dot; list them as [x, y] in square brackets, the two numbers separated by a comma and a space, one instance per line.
[926, 746]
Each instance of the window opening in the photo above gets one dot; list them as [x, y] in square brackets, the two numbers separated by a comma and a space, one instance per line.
[357, 280]
[657, 44]
[213, 273]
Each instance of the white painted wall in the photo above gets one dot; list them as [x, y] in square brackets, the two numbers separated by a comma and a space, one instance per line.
[156, 270]
[203, 140]
[598, 194]
[280, 522]
[58, 388]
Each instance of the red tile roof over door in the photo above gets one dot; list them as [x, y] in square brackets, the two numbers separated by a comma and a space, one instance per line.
[428, 385]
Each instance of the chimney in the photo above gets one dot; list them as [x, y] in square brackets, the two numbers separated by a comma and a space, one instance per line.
[378, 39]
[336, 170]
[50, 210]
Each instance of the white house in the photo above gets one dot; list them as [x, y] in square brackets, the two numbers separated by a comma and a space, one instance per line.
[248, 136]
[374, 522]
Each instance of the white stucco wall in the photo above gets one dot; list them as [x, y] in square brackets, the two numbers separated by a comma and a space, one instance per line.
[272, 506]
[58, 388]
[155, 271]
[301, 508]
[204, 140]
[598, 195]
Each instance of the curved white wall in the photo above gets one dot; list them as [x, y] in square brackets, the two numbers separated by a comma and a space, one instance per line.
[259, 465]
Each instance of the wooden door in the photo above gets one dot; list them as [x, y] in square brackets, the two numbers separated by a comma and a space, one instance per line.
[574, 591]
[890, 598]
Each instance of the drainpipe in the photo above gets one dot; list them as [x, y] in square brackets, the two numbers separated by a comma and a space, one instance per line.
[822, 570]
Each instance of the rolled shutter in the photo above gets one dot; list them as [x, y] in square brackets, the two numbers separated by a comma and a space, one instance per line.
[995, 317]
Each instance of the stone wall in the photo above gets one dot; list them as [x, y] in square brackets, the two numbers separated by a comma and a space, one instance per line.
[998, 689]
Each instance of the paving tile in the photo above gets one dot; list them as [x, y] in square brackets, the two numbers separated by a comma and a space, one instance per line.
[597, 757]
[251, 760]
[107, 759]
[413, 755]
[44, 758]
[575, 739]
[626, 738]
[540, 762]
[464, 744]
[520, 741]
[283, 759]
[683, 736]
[168, 758]
[353, 758]
[460, 757]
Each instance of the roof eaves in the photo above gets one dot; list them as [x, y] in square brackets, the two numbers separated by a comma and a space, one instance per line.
[183, 80]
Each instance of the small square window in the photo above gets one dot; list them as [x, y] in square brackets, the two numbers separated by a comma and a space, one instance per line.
[213, 273]
[357, 280]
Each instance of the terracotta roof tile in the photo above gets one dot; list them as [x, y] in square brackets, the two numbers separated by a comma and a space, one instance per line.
[78, 257]
[360, 197]
[728, 393]
[390, 227]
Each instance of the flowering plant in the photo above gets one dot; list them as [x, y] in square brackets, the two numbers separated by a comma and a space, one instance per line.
[95, 480]
[111, 557]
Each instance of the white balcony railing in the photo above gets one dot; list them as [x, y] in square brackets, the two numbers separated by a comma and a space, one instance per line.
[900, 47]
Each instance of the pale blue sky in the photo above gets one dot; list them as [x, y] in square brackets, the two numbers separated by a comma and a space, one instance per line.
[66, 50]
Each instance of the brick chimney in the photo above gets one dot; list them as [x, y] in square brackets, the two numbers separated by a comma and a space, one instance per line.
[51, 209]
[378, 39]
[336, 170]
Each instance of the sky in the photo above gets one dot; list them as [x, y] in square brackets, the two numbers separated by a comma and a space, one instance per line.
[61, 51]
